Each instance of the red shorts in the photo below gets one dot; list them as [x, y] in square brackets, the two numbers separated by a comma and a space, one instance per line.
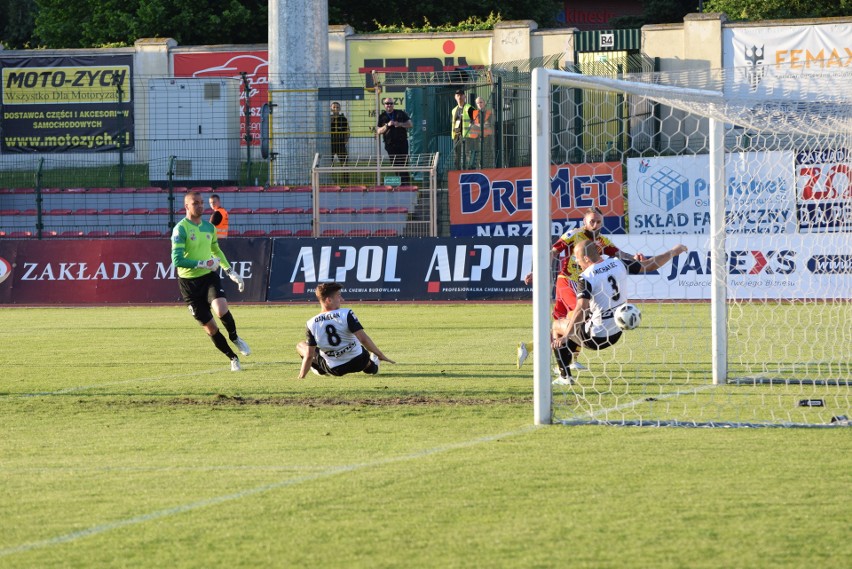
[566, 297]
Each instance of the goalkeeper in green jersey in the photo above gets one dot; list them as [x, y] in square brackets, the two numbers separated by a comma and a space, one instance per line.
[197, 257]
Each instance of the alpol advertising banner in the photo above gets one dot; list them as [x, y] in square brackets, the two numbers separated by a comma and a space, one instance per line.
[67, 104]
[758, 267]
[498, 202]
[671, 194]
[824, 190]
[788, 53]
[115, 272]
[255, 64]
[402, 269]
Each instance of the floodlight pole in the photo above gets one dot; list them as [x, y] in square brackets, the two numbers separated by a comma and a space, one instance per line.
[542, 394]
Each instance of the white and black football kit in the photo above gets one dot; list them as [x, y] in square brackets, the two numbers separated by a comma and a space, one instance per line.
[338, 349]
[604, 286]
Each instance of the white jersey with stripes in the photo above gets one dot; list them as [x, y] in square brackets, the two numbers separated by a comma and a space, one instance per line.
[604, 285]
[333, 333]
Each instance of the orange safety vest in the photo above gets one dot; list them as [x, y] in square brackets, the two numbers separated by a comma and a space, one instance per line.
[222, 228]
[487, 127]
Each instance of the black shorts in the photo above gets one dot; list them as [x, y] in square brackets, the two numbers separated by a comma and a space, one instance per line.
[356, 364]
[199, 293]
[599, 342]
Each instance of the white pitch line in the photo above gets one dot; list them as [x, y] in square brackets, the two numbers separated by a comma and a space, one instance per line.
[628, 405]
[111, 469]
[216, 500]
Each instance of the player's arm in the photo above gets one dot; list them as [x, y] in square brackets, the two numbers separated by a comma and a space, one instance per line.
[216, 218]
[217, 252]
[554, 252]
[624, 256]
[306, 361]
[308, 349]
[571, 326]
[371, 346]
[407, 123]
[356, 328]
[179, 248]
[233, 275]
[180, 257]
[657, 261]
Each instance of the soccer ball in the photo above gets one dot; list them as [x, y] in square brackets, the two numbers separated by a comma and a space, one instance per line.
[627, 316]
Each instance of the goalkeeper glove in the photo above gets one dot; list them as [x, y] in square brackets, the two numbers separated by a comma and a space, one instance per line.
[212, 263]
[241, 285]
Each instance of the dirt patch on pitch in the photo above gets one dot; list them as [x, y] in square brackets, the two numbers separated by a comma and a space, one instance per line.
[284, 401]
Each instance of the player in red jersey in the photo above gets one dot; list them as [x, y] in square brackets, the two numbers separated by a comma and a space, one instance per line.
[569, 271]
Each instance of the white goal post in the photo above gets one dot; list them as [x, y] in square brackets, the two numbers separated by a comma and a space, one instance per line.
[755, 141]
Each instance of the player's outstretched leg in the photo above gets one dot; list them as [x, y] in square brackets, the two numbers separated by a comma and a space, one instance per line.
[575, 365]
[564, 356]
[222, 345]
[523, 354]
[372, 367]
[231, 326]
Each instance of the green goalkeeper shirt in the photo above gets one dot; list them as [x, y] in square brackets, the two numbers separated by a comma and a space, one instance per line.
[192, 243]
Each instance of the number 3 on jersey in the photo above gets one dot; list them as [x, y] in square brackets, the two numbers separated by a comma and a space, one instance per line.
[614, 284]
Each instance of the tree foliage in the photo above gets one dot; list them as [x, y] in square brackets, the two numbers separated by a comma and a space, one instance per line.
[779, 9]
[657, 12]
[472, 24]
[372, 15]
[96, 23]
[16, 23]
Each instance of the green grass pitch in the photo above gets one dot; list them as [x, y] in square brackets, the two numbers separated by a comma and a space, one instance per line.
[126, 442]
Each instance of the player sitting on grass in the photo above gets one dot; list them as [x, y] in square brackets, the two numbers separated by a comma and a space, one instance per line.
[339, 336]
[603, 288]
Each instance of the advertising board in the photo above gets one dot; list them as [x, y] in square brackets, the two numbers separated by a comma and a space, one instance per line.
[498, 202]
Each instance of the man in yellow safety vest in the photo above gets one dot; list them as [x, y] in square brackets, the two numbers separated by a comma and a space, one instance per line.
[462, 118]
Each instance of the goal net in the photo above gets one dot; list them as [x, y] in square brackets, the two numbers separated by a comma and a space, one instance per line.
[751, 170]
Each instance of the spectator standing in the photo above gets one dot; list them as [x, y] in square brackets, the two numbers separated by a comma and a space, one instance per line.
[462, 119]
[482, 135]
[219, 218]
[339, 137]
[393, 125]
